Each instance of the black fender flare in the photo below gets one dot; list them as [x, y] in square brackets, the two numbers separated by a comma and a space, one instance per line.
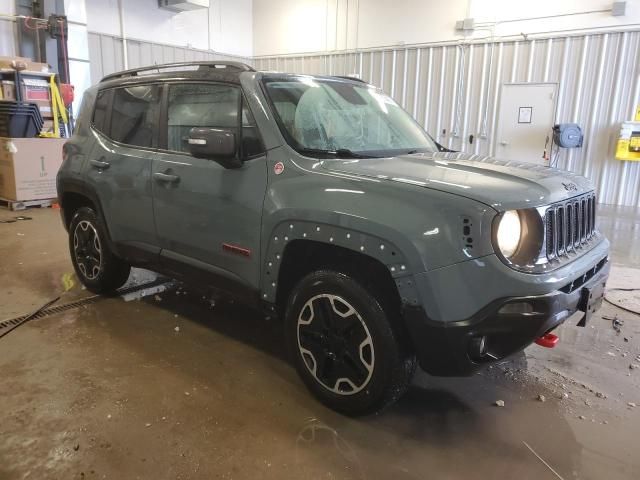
[359, 242]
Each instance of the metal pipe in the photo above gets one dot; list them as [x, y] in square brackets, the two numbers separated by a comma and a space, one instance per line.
[335, 45]
[125, 57]
[546, 17]
[357, 21]
[346, 27]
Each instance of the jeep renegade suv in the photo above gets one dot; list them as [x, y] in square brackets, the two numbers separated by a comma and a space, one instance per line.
[320, 199]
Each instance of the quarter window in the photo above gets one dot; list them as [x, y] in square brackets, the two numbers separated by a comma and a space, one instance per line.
[101, 110]
[199, 105]
[135, 115]
[251, 143]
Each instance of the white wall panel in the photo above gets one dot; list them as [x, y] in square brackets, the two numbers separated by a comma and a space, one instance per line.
[7, 37]
[304, 26]
[453, 90]
[106, 54]
[225, 26]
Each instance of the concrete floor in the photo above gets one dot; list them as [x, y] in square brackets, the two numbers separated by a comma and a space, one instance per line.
[113, 390]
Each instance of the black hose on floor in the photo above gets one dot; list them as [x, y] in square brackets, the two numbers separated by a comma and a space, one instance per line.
[635, 312]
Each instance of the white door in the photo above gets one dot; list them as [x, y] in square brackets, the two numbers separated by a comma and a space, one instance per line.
[525, 121]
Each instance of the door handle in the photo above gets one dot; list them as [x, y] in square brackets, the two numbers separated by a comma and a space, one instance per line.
[99, 164]
[504, 143]
[166, 177]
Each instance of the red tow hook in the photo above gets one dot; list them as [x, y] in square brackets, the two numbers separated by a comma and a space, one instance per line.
[548, 340]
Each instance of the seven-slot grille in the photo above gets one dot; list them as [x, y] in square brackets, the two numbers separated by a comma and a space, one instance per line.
[570, 224]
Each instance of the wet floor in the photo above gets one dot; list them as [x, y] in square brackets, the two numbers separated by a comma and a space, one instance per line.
[172, 385]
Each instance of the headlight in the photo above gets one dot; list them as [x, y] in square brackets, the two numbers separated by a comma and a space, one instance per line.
[509, 233]
[518, 237]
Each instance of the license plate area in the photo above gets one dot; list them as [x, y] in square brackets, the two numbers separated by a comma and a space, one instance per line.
[590, 301]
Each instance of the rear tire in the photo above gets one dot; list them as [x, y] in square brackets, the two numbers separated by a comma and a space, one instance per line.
[95, 264]
[343, 345]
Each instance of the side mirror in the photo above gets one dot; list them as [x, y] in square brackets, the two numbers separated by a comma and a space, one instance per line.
[217, 144]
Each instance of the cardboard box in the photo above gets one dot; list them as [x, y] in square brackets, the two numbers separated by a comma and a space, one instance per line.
[28, 167]
[31, 66]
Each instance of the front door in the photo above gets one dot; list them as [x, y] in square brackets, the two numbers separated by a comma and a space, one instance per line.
[208, 217]
[525, 122]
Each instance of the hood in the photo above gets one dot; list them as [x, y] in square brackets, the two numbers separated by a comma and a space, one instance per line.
[501, 184]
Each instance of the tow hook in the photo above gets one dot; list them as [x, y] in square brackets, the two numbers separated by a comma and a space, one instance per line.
[548, 340]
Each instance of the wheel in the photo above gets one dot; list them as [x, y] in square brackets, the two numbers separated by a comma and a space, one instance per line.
[344, 346]
[95, 264]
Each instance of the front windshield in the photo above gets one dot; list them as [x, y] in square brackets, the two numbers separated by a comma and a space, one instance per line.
[342, 117]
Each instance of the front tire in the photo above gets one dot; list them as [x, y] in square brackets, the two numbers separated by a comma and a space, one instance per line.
[343, 345]
[95, 264]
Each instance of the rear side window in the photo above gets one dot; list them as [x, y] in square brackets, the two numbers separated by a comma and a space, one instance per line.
[101, 110]
[134, 118]
[199, 105]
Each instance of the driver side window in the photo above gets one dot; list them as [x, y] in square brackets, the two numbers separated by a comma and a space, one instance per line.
[199, 105]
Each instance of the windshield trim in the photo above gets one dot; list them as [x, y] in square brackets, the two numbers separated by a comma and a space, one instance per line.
[301, 149]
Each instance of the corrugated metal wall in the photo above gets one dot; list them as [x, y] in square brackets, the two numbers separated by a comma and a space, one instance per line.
[456, 88]
[106, 54]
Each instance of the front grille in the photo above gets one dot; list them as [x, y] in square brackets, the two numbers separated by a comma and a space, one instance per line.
[569, 225]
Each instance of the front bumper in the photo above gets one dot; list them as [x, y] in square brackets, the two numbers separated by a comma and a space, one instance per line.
[501, 328]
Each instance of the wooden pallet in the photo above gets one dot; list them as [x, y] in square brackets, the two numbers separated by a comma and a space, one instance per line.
[24, 204]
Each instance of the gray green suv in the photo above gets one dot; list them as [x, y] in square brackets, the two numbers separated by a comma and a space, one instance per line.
[319, 199]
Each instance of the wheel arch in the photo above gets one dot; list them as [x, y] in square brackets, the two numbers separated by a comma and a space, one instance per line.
[74, 195]
[296, 248]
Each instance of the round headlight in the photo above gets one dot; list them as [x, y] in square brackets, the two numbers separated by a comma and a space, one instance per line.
[509, 233]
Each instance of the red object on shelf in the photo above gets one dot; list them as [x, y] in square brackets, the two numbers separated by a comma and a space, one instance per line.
[548, 340]
[67, 94]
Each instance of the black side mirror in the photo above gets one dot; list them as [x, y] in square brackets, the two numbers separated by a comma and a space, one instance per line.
[217, 144]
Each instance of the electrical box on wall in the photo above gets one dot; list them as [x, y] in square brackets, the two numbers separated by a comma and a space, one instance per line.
[628, 146]
[183, 5]
[466, 25]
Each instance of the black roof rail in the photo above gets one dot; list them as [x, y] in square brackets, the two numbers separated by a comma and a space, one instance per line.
[221, 64]
[347, 77]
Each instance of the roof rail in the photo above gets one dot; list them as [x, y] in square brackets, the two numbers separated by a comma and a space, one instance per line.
[347, 77]
[222, 64]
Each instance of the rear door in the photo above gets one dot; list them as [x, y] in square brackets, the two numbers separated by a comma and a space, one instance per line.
[208, 218]
[125, 124]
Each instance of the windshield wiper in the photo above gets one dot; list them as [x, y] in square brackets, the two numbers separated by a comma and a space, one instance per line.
[338, 153]
[346, 153]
